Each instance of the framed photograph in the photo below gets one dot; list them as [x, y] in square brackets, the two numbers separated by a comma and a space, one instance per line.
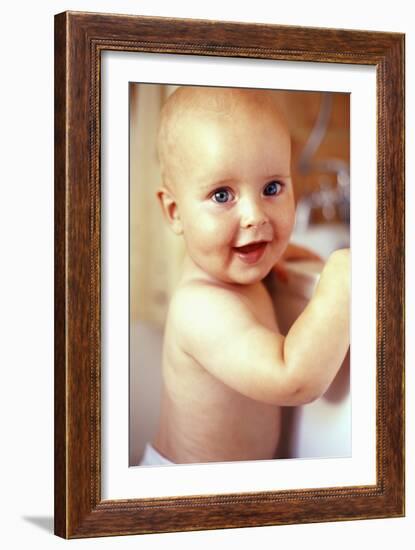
[209, 177]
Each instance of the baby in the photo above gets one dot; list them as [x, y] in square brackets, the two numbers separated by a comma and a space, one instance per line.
[225, 157]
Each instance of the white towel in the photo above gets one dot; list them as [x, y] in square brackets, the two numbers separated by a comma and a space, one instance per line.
[152, 458]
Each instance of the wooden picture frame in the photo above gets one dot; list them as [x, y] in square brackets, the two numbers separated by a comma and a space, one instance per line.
[80, 38]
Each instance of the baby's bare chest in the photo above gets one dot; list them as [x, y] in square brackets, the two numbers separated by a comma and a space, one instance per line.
[198, 407]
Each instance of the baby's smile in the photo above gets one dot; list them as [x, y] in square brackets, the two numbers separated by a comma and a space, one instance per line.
[251, 253]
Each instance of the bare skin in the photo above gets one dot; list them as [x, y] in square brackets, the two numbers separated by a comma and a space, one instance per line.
[203, 419]
[227, 369]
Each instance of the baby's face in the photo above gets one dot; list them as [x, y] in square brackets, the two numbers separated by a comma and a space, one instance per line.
[234, 194]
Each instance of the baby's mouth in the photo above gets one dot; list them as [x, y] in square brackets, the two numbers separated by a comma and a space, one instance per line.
[251, 253]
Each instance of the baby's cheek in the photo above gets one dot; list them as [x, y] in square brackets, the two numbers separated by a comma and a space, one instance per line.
[286, 222]
[206, 237]
[288, 229]
[216, 230]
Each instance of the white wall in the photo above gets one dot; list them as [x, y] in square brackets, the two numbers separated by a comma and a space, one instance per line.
[26, 298]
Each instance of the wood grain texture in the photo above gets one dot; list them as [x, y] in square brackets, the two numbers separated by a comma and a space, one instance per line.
[79, 39]
[59, 287]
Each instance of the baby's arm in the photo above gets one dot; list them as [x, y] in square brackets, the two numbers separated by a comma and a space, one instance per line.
[319, 339]
[218, 330]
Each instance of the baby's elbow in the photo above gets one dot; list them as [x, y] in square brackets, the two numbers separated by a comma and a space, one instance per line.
[293, 388]
[308, 396]
[303, 393]
[302, 397]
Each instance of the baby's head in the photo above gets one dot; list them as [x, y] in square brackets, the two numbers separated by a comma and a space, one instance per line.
[225, 157]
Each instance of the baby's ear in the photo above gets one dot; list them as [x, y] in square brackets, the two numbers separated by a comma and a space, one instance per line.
[170, 209]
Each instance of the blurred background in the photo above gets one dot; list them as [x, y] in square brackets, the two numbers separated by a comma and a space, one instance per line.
[319, 123]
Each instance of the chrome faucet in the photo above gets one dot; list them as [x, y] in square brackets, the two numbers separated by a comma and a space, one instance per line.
[327, 198]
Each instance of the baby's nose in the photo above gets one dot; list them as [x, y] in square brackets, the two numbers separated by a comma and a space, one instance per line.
[252, 215]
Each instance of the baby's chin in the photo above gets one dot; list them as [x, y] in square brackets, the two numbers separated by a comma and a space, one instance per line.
[234, 273]
[251, 278]
[243, 276]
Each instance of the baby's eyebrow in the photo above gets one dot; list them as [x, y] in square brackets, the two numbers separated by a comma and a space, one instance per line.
[278, 176]
[217, 183]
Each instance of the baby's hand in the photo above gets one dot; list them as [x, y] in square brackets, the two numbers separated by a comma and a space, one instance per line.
[338, 267]
[293, 253]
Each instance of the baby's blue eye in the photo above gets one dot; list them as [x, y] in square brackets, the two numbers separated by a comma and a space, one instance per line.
[272, 188]
[221, 196]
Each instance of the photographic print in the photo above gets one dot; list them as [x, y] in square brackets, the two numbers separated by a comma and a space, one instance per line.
[286, 147]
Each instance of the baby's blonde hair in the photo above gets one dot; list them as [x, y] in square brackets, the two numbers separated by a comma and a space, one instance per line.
[194, 101]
